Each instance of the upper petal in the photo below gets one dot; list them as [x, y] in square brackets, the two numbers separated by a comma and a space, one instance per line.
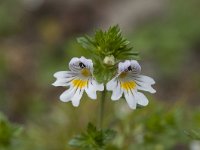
[77, 64]
[129, 65]
[123, 66]
[74, 64]
[87, 62]
[135, 66]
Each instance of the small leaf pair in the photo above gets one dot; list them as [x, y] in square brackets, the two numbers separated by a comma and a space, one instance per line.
[93, 139]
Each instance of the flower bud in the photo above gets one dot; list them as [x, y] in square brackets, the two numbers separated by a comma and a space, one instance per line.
[109, 60]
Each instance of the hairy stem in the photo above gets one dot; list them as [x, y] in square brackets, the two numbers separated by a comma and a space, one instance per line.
[101, 110]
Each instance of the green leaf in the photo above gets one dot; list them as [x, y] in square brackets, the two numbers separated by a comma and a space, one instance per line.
[104, 44]
[86, 43]
[193, 134]
[93, 138]
[8, 131]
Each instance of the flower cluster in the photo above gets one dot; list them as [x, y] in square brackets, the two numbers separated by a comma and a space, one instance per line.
[127, 82]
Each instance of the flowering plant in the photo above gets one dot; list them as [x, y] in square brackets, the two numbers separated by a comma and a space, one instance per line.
[112, 64]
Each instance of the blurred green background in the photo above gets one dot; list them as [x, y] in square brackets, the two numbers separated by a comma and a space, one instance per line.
[38, 38]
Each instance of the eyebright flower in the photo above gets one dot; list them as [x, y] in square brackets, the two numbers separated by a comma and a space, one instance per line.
[128, 81]
[79, 79]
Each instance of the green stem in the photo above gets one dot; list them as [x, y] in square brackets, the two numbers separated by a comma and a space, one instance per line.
[101, 110]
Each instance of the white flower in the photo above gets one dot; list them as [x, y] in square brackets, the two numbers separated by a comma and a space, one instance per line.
[129, 81]
[79, 79]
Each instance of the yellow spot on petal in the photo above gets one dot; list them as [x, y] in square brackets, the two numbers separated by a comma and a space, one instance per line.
[80, 83]
[85, 72]
[123, 75]
[128, 85]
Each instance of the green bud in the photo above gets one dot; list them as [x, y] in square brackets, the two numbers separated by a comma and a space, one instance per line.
[109, 60]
